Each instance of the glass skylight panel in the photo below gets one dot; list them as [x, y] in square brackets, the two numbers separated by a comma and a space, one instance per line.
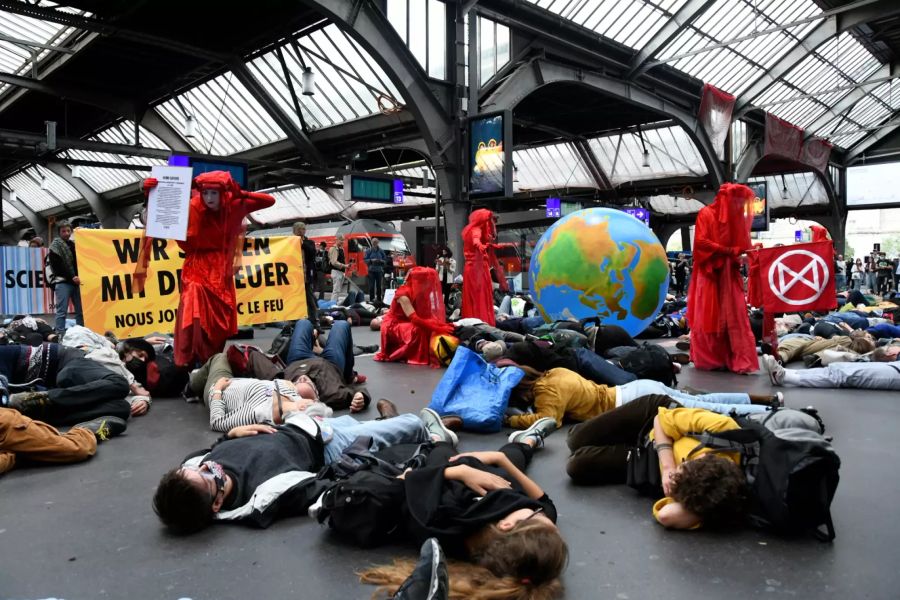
[421, 24]
[298, 203]
[10, 211]
[552, 167]
[228, 118]
[735, 67]
[803, 189]
[675, 205]
[630, 22]
[101, 179]
[671, 154]
[27, 185]
[349, 84]
[15, 58]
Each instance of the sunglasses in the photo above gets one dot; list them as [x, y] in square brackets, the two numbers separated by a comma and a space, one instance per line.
[537, 511]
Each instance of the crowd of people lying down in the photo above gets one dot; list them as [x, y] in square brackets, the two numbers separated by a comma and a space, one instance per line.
[276, 412]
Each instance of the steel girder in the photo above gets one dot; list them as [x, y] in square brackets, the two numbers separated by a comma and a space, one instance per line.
[821, 33]
[371, 29]
[684, 17]
[538, 73]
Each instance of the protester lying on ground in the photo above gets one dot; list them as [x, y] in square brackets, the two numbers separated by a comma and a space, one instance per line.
[330, 372]
[25, 329]
[484, 510]
[416, 314]
[259, 473]
[884, 330]
[563, 394]
[64, 387]
[236, 402]
[798, 346]
[152, 362]
[701, 487]
[25, 440]
[877, 375]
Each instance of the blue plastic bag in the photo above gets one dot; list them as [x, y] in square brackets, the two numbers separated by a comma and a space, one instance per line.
[476, 391]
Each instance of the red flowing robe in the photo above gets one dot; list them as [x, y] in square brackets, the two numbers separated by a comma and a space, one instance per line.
[401, 339]
[207, 311]
[717, 310]
[478, 290]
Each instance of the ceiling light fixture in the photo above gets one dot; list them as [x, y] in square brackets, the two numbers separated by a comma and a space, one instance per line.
[76, 172]
[308, 82]
[190, 126]
[45, 185]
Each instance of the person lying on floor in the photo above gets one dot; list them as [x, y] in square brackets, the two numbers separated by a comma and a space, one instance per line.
[331, 372]
[26, 440]
[799, 346]
[883, 373]
[152, 362]
[75, 388]
[701, 488]
[486, 511]
[256, 474]
[564, 394]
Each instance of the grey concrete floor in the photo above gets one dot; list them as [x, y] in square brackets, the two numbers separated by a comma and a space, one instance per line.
[87, 531]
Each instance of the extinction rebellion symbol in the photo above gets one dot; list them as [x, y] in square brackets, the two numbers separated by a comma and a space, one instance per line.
[798, 277]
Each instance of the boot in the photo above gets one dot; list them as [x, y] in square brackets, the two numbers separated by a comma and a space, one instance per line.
[31, 404]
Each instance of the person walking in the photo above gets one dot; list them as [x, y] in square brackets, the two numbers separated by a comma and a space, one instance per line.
[336, 259]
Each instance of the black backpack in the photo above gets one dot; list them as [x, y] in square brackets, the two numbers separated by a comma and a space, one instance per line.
[650, 361]
[792, 474]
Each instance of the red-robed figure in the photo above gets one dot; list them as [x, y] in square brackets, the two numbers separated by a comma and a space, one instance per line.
[416, 314]
[717, 311]
[207, 311]
[478, 249]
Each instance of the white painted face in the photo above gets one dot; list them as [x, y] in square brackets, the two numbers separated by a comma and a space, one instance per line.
[211, 199]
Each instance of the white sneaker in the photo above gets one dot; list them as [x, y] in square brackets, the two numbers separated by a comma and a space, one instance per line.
[775, 371]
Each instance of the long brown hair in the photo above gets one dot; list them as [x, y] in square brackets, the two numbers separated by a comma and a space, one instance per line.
[524, 563]
[523, 393]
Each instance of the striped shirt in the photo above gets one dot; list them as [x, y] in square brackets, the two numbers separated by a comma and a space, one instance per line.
[245, 402]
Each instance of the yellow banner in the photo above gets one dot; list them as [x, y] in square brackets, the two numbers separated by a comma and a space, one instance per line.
[269, 284]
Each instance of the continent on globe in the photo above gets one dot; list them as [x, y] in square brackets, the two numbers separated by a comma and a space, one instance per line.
[600, 262]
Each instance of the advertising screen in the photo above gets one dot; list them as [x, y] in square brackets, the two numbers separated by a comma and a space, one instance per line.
[760, 207]
[490, 152]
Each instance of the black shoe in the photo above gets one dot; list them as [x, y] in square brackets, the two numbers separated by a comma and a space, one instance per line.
[429, 580]
[683, 345]
[31, 404]
[104, 427]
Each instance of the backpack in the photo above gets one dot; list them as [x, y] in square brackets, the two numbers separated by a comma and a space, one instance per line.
[321, 264]
[49, 276]
[365, 505]
[650, 361]
[282, 342]
[792, 474]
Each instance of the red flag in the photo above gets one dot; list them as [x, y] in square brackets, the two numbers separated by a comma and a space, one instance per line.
[798, 277]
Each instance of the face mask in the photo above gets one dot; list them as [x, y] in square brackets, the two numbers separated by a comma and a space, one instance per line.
[138, 368]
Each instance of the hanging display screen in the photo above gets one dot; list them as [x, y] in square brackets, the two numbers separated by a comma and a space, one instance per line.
[760, 206]
[490, 156]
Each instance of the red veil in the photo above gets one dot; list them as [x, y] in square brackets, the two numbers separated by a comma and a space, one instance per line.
[405, 339]
[478, 290]
[717, 309]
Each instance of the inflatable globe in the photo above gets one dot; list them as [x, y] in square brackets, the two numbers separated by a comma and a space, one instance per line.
[600, 262]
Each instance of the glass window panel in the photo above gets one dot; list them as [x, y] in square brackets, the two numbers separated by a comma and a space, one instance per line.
[396, 13]
[487, 49]
[418, 31]
[437, 36]
[503, 47]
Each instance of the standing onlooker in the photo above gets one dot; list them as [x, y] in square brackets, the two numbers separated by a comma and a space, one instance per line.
[36, 242]
[446, 268]
[322, 268]
[336, 260]
[870, 273]
[681, 266]
[308, 248]
[375, 261]
[885, 272]
[857, 275]
[64, 277]
[840, 273]
[896, 272]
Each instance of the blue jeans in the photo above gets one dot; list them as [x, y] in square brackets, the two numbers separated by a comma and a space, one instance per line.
[64, 292]
[718, 402]
[600, 370]
[338, 348]
[376, 285]
[403, 429]
[853, 320]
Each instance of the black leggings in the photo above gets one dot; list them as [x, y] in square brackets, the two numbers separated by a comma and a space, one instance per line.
[600, 446]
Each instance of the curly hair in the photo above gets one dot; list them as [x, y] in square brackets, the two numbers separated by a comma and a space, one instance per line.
[713, 488]
[180, 505]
